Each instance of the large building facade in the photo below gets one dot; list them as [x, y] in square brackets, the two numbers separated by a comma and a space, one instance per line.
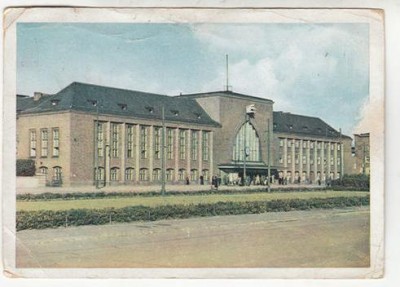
[88, 134]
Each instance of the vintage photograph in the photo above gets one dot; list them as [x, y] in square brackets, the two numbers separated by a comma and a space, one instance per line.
[198, 140]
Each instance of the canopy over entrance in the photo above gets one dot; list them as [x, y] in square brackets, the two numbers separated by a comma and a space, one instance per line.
[252, 168]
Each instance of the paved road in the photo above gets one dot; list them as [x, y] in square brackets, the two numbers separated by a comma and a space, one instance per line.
[321, 238]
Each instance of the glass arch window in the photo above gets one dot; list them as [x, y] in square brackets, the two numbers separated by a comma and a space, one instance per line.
[247, 135]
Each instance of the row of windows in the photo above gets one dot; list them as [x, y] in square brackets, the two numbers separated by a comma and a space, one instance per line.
[57, 171]
[157, 144]
[44, 142]
[304, 160]
[156, 174]
[305, 144]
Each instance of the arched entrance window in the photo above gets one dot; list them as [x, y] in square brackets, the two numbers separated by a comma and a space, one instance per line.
[247, 135]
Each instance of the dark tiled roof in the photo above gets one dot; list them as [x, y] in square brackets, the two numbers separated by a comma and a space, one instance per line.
[113, 101]
[224, 94]
[304, 125]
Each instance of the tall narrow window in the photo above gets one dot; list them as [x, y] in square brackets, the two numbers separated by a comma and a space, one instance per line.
[205, 145]
[157, 142]
[194, 145]
[100, 139]
[156, 174]
[143, 141]
[44, 134]
[32, 143]
[56, 142]
[170, 143]
[181, 174]
[114, 174]
[143, 174]
[57, 173]
[129, 174]
[99, 173]
[247, 135]
[194, 174]
[115, 140]
[206, 174]
[182, 144]
[129, 141]
[169, 174]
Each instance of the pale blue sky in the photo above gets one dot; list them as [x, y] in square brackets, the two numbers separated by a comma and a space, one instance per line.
[312, 69]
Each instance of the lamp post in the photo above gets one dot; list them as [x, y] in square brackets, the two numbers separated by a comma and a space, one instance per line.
[163, 151]
[269, 155]
[250, 112]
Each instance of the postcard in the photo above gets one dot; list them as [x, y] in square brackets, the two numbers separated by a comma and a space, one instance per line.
[193, 143]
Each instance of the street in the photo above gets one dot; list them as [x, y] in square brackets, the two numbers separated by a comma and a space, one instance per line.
[317, 238]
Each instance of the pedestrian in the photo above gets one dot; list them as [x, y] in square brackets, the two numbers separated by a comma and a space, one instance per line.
[187, 180]
[216, 183]
[201, 180]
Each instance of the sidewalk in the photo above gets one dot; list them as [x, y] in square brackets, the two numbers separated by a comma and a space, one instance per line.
[153, 188]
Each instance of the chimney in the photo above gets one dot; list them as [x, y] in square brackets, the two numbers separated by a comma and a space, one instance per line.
[37, 96]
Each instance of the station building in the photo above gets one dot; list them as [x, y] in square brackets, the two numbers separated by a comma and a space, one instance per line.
[89, 134]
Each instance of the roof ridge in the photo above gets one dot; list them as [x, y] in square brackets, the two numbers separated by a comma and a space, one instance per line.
[114, 88]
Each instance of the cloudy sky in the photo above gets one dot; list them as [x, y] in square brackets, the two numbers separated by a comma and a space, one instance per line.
[312, 69]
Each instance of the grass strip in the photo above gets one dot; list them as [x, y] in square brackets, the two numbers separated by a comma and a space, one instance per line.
[97, 195]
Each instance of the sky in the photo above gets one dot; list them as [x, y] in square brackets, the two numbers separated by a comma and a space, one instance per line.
[319, 70]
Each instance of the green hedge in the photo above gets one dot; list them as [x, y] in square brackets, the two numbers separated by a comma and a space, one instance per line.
[353, 181]
[50, 219]
[98, 195]
[26, 167]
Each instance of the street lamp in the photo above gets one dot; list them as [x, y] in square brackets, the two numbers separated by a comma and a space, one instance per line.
[250, 113]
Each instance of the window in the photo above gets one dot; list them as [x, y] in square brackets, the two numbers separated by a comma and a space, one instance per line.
[194, 174]
[156, 174]
[296, 159]
[43, 170]
[44, 142]
[143, 141]
[114, 174]
[129, 174]
[338, 161]
[129, 141]
[182, 144]
[319, 145]
[297, 143]
[318, 160]
[281, 142]
[289, 159]
[114, 140]
[181, 174]
[170, 143]
[304, 159]
[205, 145]
[143, 174]
[56, 142]
[99, 173]
[157, 142]
[311, 161]
[311, 144]
[289, 143]
[57, 173]
[280, 159]
[100, 140]
[332, 162]
[169, 174]
[248, 136]
[304, 144]
[32, 143]
[195, 145]
[206, 174]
